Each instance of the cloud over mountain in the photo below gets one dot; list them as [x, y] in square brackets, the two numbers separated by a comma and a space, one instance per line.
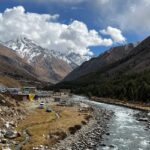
[115, 34]
[49, 33]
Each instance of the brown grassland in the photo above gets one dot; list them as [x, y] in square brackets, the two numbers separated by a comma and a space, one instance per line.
[46, 128]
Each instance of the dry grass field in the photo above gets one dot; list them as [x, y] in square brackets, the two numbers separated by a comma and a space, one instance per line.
[47, 128]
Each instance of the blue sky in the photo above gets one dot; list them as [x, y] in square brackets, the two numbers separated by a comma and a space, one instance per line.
[95, 14]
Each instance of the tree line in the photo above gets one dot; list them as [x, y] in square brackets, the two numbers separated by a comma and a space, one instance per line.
[133, 87]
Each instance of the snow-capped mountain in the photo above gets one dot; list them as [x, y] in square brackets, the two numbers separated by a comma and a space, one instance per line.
[47, 65]
[15, 71]
[29, 49]
[26, 48]
[72, 58]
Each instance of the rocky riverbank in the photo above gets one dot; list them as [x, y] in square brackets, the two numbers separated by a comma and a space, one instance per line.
[144, 116]
[90, 135]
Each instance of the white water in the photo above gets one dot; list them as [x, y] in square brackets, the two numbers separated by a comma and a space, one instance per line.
[126, 133]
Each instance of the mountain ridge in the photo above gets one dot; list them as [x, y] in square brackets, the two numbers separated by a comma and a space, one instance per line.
[112, 55]
[47, 66]
[15, 71]
[25, 46]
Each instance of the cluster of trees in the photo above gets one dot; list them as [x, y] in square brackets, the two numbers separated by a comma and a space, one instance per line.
[131, 87]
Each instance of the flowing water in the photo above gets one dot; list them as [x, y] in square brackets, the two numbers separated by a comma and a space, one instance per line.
[126, 133]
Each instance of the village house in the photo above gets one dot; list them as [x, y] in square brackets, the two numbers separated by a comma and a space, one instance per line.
[64, 92]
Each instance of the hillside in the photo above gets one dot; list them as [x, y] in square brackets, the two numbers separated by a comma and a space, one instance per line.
[108, 57]
[128, 78]
[15, 71]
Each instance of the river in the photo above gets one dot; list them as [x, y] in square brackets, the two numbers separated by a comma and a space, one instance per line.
[126, 133]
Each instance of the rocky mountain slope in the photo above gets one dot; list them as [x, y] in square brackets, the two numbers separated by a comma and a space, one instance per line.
[138, 60]
[108, 57]
[48, 67]
[14, 70]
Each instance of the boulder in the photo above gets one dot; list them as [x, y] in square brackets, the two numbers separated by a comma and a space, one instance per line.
[143, 119]
[4, 141]
[11, 134]
[7, 125]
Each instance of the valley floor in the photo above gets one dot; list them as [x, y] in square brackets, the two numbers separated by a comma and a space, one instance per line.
[48, 128]
[23, 125]
[67, 126]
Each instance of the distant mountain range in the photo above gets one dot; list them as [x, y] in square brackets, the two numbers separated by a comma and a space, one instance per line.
[122, 72]
[29, 49]
[49, 65]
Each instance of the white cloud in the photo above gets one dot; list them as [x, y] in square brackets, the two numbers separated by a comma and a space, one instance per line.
[48, 32]
[136, 17]
[128, 15]
[115, 34]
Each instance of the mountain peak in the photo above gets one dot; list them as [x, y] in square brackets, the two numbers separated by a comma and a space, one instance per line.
[25, 40]
[30, 50]
[47, 67]
[25, 47]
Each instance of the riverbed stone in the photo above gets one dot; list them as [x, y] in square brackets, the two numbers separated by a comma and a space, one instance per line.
[11, 134]
[107, 133]
[4, 141]
[143, 119]
[112, 146]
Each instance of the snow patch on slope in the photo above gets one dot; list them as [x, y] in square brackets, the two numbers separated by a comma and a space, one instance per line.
[30, 50]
